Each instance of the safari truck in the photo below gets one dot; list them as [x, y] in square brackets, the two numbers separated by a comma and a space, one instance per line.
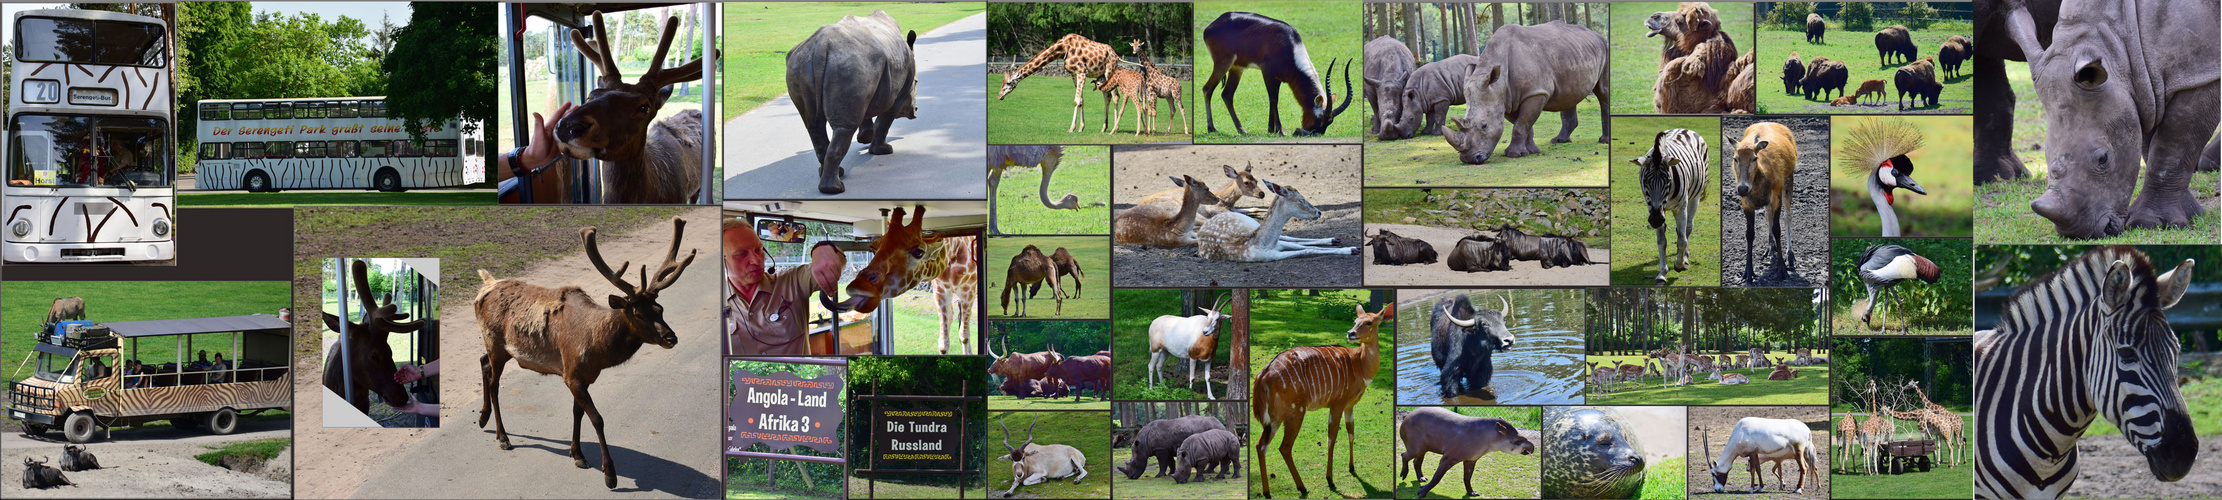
[92, 376]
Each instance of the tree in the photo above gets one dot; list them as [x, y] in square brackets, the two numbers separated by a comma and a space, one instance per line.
[442, 67]
[1857, 16]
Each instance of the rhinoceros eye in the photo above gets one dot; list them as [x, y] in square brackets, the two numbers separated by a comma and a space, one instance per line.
[2091, 76]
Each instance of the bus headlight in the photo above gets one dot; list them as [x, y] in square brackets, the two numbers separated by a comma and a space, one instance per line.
[21, 228]
[162, 229]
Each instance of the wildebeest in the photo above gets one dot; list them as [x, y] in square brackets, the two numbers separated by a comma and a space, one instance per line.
[76, 458]
[1815, 27]
[1954, 51]
[1388, 60]
[1896, 40]
[1793, 71]
[1479, 253]
[1205, 450]
[1394, 250]
[66, 309]
[1523, 72]
[1550, 249]
[1462, 340]
[1920, 80]
[1161, 439]
[856, 76]
[1822, 74]
[37, 475]
[1429, 92]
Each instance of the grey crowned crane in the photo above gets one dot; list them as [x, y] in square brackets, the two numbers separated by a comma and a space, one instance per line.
[1882, 267]
[1877, 150]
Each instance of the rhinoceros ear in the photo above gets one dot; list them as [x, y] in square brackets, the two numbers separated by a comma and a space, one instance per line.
[911, 39]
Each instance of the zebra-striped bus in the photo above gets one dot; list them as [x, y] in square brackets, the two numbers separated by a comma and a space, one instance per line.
[326, 143]
[89, 138]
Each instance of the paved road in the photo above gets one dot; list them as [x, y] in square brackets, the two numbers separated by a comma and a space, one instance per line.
[940, 155]
[660, 409]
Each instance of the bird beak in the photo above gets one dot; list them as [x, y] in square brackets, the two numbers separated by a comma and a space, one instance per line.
[1908, 184]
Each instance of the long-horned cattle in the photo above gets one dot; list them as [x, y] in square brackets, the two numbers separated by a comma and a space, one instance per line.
[1190, 337]
[366, 351]
[1237, 237]
[1032, 464]
[640, 163]
[906, 257]
[1022, 365]
[565, 332]
[1765, 440]
[1092, 372]
[1161, 439]
[855, 76]
[1766, 160]
[1462, 341]
[1303, 379]
[1458, 438]
[1523, 72]
[1243, 40]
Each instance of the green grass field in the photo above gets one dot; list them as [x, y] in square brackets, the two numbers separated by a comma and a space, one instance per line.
[918, 327]
[258, 449]
[1331, 35]
[863, 488]
[1636, 57]
[424, 198]
[1039, 111]
[755, 65]
[1093, 290]
[1164, 487]
[1085, 171]
[23, 304]
[1640, 263]
[1810, 387]
[1429, 160]
[1944, 166]
[1130, 351]
[1088, 431]
[1292, 320]
[1938, 482]
[2002, 208]
[1087, 401]
[1665, 480]
[1496, 475]
[1857, 50]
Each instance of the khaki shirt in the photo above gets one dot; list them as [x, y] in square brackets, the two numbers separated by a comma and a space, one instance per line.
[775, 321]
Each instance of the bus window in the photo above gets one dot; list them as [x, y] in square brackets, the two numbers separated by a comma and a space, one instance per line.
[277, 149]
[374, 109]
[443, 148]
[246, 150]
[338, 109]
[215, 111]
[209, 150]
[277, 110]
[309, 149]
[344, 149]
[88, 41]
[312, 109]
[377, 149]
[49, 150]
[247, 111]
[470, 147]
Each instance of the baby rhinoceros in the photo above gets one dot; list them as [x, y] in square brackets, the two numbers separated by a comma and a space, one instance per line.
[1459, 438]
[1204, 451]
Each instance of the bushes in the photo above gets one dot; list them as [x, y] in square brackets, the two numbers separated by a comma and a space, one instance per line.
[1789, 15]
[1857, 16]
[1917, 15]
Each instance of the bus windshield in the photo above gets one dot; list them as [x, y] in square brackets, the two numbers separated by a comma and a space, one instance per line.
[88, 151]
[57, 368]
[117, 43]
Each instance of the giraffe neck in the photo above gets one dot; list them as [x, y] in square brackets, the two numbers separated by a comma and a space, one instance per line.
[1054, 52]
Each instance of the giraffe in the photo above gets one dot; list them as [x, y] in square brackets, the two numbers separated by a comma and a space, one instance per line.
[1084, 59]
[1165, 87]
[1123, 87]
[904, 258]
[1873, 432]
[1846, 430]
[1945, 423]
[1145, 95]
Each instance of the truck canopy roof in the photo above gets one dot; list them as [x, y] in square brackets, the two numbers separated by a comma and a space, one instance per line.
[188, 326]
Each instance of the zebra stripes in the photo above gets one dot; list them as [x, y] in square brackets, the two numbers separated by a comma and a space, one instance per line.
[1673, 174]
[2043, 375]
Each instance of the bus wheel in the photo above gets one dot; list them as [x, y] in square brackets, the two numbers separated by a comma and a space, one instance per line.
[221, 422]
[256, 182]
[78, 427]
[34, 430]
[388, 181]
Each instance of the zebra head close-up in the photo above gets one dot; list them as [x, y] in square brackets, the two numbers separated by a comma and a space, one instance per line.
[1673, 174]
[2088, 340]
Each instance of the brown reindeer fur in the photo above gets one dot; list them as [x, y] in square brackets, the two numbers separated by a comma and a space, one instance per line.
[367, 350]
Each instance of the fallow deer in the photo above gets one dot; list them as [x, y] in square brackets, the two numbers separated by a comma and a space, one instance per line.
[1303, 379]
[640, 163]
[904, 257]
[366, 351]
[1152, 224]
[1239, 184]
[1029, 269]
[565, 332]
[1630, 373]
[1237, 237]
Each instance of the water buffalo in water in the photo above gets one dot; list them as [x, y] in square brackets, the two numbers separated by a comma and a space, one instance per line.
[1462, 340]
[856, 76]
[1523, 72]
[1896, 40]
[1161, 439]
[1394, 250]
[1550, 249]
[2120, 87]
[1388, 61]
[1429, 92]
[1479, 253]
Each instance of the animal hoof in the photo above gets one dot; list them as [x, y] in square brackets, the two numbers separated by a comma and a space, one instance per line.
[504, 445]
[609, 480]
[579, 462]
[1659, 280]
[881, 149]
[832, 185]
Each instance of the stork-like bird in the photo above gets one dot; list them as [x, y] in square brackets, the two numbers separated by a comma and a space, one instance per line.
[1883, 267]
[1878, 150]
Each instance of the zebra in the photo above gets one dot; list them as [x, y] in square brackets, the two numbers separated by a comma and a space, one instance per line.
[1674, 181]
[2088, 340]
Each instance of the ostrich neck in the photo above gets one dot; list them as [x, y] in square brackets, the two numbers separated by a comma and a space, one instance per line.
[1876, 192]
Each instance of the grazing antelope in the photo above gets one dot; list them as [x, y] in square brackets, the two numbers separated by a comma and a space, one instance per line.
[1154, 224]
[565, 332]
[1242, 40]
[1237, 237]
[904, 257]
[1032, 464]
[1303, 379]
[1190, 337]
[66, 309]
[640, 164]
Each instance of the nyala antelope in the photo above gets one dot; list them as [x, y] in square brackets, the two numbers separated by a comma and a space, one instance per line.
[1303, 379]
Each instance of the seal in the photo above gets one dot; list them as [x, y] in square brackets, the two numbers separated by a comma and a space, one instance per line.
[1590, 452]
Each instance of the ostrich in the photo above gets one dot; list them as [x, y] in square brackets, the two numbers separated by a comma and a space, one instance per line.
[1878, 150]
[1883, 266]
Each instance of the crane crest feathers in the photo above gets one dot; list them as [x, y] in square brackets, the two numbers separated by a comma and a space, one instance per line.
[1868, 146]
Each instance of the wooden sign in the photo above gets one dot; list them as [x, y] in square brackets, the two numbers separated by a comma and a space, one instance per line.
[782, 411]
[917, 438]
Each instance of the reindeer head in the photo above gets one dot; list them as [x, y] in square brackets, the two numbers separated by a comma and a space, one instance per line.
[642, 316]
[613, 123]
[1366, 328]
[894, 258]
[377, 320]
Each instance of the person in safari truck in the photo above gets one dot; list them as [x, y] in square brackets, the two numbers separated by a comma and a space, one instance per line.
[766, 313]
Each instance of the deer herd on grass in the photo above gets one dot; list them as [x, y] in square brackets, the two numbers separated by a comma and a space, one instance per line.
[1677, 367]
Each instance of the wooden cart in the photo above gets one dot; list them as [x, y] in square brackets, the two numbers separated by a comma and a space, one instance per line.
[1898, 456]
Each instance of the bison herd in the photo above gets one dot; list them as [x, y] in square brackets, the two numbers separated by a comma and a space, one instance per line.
[1479, 253]
[1917, 78]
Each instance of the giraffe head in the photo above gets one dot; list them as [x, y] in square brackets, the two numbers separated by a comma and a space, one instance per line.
[896, 258]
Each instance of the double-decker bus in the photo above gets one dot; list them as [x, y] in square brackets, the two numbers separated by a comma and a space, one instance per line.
[326, 143]
[89, 168]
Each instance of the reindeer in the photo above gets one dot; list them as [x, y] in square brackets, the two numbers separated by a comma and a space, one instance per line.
[1029, 269]
[1303, 379]
[564, 332]
[1031, 464]
[1190, 337]
[366, 351]
[904, 258]
[1162, 225]
[1237, 237]
[66, 309]
[640, 164]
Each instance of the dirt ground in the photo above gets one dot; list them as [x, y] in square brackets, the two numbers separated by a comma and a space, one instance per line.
[1327, 175]
[1807, 223]
[160, 466]
[1523, 273]
[1720, 421]
[2111, 468]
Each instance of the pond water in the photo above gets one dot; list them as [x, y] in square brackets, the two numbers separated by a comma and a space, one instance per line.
[1543, 367]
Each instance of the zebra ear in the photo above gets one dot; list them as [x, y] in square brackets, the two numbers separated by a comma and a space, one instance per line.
[2114, 293]
[2174, 282]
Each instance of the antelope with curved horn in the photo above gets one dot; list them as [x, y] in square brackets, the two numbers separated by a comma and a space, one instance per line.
[1190, 337]
[640, 164]
[1032, 464]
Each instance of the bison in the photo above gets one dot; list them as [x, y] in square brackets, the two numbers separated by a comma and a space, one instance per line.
[1462, 340]
[1823, 74]
[1874, 86]
[1479, 253]
[1814, 28]
[1161, 439]
[1954, 51]
[1392, 249]
[1792, 72]
[1896, 40]
[1207, 450]
[1920, 80]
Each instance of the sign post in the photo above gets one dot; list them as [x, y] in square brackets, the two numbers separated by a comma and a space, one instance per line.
[783, 411]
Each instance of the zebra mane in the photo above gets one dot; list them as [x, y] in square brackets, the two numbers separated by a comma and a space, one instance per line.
[2141, 270]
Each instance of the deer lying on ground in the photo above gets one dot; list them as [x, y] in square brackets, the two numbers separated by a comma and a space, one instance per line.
[1734, 378]
[1303, 379]
[1156, 224]
[66, 309]
[1782, 372]
[565, 332]
[1240, 184]
[1191, 338]
[1237, 237]
[640, 164]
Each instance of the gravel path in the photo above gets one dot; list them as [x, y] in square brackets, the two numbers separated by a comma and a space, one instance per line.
[152, 463]
[1807, 223]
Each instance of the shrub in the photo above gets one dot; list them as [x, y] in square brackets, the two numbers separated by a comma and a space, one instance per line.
[1789, 15]
[1917, 15]
[1857, 16]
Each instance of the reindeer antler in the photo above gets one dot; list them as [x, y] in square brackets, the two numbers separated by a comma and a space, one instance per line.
[656, 76]
[666, 274]
[599, 52]
[594, 255]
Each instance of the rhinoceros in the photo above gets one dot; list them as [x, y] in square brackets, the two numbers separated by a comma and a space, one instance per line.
[1523, 72]
[1388, 61]
[1429, 92]
[855, 76]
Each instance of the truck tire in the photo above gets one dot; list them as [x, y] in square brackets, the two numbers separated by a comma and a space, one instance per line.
[387, 180]
[222, 422]
[257, 182]
[78, 427]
